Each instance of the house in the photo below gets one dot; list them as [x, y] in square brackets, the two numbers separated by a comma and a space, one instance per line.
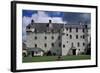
[35, 51]
[58, 38]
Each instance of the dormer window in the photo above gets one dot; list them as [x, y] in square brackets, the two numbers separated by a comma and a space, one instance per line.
[70, 30]
[76, 29]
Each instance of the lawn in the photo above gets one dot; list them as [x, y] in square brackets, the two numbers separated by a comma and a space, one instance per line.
[54, 58]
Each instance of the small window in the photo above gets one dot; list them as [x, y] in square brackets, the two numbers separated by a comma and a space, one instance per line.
[52, 37]
[52, 44]
[63, 46]
[78, 44]
[70, 30]
[66, 34]
[35, 45]
[85, 26]
[67, 41]
[36, 52]
[83, 44]
[35, 37]
[59, 44]
[83, 36]
[45, 45]
[72, 44]
[83, 30]
[76, 29]
[45, 37]
[67, 29]
[76, 36]
[70, 36]
[59, 37]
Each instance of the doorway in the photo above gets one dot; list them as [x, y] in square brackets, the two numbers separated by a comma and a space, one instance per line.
[74, 51]
[32, 53]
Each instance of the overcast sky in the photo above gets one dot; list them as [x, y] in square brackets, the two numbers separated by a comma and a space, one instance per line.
[56, 17]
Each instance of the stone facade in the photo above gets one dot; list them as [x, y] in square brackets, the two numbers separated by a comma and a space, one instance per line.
[59, 39]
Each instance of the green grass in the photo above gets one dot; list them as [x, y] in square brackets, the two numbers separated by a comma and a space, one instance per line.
[54, 58]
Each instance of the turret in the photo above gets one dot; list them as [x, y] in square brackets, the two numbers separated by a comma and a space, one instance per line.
[64, 29]
[30, 27]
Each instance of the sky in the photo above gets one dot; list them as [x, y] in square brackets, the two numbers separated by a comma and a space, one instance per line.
[55, 16]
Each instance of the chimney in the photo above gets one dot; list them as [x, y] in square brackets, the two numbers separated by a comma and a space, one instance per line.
[50, 21]
[32, 21]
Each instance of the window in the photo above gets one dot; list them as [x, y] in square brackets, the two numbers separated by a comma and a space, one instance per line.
[52, 37]
[52, 44]
[45, 37]
[67, 41]
[83, 30]
[76, 36]
[70, 30]
[35, 37]
[76, 29]
[70, 36]
[83, 36]
[85, 26]
[45, 45]
[72, 43]
[78, 44]
[66, 34]
[83, 44]
[59, 37]
[67, 29]
[63, 46]
[59, 44]
[35, 45]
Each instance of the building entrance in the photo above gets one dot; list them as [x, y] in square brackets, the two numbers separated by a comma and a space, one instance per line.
[74, 51]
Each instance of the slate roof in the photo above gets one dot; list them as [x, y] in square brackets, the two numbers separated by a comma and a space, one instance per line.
[35, 49]
[43, 27]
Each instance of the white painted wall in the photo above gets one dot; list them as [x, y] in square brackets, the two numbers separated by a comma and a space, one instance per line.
[65, 40]
[40, 41]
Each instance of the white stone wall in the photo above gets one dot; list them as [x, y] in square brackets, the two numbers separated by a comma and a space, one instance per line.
[65, 40]
[68, 42]
[40, 41]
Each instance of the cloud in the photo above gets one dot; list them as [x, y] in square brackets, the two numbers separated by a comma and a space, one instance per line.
[43, 17]
[39, 17]
[86, 17]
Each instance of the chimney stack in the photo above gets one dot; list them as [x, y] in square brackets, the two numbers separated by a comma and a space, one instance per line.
[32, 21]
[50, 21]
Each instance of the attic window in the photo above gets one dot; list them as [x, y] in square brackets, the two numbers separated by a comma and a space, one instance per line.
[70, 29]
[76, 29]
